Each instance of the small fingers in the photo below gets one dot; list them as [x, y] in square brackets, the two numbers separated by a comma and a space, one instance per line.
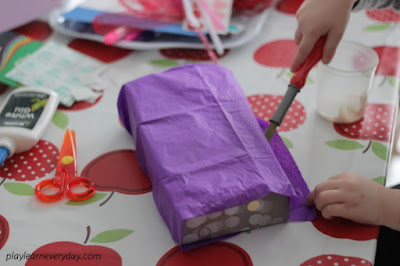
[331, 44]
[341, 182]
[330, 184]
[328, 197]
[336, 210]
[305, 47]
[310, 199]
[327, 185]
[298, 36]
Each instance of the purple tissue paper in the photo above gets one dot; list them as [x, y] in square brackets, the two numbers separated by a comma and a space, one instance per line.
[199, 142]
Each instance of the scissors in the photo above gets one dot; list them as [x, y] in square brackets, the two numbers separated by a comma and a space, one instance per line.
[66, 179]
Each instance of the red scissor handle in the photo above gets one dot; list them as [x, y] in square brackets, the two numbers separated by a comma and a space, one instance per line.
[51, 183]
[79, 181]
[66, 179]
[66, 189]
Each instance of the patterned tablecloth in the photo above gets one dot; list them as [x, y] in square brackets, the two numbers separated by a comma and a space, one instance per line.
[120, 225]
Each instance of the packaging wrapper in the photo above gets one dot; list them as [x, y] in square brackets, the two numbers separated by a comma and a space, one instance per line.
[212, 169]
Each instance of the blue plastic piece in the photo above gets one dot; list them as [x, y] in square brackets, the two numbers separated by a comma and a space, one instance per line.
[3, 154]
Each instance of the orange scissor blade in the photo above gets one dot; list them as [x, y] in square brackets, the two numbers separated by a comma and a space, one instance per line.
[67, 156]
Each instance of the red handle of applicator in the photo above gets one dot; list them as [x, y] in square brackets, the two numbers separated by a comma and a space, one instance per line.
[296, 83]
[299, 78]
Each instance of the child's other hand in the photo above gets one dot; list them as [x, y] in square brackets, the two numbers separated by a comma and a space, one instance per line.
[317, 18]
[351, 196]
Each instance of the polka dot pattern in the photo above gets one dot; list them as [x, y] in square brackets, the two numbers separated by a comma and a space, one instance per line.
[374, 126]
[214, 215]
[265, 105]
[271, 209]
[232, 211]
[336, 260]
[195, 222]
[254, 205]
[261, 220]
[33, 164]
[232, 221]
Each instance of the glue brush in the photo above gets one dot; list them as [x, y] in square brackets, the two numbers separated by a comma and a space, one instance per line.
[296, 83]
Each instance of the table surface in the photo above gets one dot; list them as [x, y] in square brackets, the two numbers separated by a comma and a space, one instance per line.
[121, 222]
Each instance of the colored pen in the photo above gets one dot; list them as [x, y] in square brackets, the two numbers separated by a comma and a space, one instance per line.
[120, 33]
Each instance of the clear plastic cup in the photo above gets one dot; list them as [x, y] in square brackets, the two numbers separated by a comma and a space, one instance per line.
[344, 84]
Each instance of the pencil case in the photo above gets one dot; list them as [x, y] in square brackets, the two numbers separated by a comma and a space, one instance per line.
[212, 169]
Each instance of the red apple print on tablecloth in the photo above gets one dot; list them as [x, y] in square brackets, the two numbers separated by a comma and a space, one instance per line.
[174, 54]
[386, 19]
[279, 53]
[343, 228]
[264, 107]
[289, 7]
[374, 126]
[37, 30]
[72, 253]
[99, 51]
[32, 164]
[220, 253]
[389, 58]
[339, 260]
[384, 15]
[4, 231]
[117, 171]
[389, 66]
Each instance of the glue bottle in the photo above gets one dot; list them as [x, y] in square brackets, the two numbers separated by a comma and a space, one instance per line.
[24, 116]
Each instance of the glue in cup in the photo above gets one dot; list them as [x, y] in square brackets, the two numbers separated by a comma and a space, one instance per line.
[344, 84]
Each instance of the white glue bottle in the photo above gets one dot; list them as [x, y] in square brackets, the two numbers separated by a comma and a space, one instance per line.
[24, 116]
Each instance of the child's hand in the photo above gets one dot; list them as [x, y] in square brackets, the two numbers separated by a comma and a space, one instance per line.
[317, 18]
[354, 197]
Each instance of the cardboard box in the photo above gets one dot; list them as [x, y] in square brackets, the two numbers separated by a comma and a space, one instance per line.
[212, 169]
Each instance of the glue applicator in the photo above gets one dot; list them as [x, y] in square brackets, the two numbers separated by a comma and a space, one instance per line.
[296, 83]
[24, 116]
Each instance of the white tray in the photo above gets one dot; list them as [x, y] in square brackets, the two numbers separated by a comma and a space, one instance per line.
[252, 27]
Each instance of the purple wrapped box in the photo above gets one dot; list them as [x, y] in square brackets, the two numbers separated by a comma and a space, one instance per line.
[212, 169]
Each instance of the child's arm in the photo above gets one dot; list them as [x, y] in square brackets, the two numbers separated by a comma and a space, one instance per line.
[317, 18]
[354, 197]
[328, 17]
